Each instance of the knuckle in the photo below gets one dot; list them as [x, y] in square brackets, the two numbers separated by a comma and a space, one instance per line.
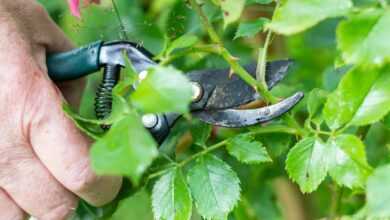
[60, 212]
[14, 214]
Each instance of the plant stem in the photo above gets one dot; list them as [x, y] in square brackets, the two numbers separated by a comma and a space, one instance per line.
[186, 161]
[262, 61]
[210, 48]
[158, 173]
[124, 35]
[275, 129]
[203, 152]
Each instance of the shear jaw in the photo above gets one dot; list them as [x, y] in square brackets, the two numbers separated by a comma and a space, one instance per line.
[234, 118]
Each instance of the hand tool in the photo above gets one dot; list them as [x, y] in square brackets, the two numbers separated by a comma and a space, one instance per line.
[217, 94]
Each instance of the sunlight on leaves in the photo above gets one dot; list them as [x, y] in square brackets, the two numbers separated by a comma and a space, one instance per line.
[295, 16]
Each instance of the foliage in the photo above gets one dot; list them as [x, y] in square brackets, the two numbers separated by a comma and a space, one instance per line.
[334, 146]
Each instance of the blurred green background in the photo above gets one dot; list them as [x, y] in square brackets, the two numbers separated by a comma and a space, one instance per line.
[267, 193]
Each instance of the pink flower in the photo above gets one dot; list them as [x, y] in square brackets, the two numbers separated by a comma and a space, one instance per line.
[74, 6]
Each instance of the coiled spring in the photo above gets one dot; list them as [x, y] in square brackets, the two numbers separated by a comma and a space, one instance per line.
[103, 101]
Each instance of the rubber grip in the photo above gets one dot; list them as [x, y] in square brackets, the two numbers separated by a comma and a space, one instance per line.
[74, 64]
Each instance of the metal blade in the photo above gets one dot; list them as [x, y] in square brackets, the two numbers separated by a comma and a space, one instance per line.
[228, 91]
[241, 118]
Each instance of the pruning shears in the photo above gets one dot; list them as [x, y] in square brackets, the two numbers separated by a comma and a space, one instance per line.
[217, 94]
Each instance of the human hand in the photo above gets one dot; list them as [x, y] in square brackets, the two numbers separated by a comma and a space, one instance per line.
[44, 160]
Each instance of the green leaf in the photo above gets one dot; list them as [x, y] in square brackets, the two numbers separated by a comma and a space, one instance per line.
[316, 101]
[85, 125]
[349, 165]
[184, 41]
[378, 194]
[200, 132]
[277, 144]
[307, 163]
[247, 150]
[120, 107]
[137, 206]
[295, 16]
[263, 2]
[171, 197]
[251, 28]
[387, 121]
[363, 97]
[376, 103]
[344, 157]
[363, 38]
[127, 149]
[165, 89]
[214, 186]
[232, 10]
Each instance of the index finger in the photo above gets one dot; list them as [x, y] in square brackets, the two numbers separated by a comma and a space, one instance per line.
[63, 149]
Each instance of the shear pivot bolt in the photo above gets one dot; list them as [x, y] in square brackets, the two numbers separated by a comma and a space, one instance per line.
[197, 92]
[142, 75]
[150, 120]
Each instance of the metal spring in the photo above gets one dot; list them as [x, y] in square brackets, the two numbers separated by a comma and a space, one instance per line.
[103, 101]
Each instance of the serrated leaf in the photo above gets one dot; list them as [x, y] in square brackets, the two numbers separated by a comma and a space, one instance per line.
[200, 132]
[184, 41]
[251, 28]
[378, 194]
[232, 10]
[363, 97]
[363, 38]
[307, 163]
[247, 150]
[171, 197]
[165, 89]
[215, 187]
[126, 149]
[295, 16]
[137, 206]
[349, 165]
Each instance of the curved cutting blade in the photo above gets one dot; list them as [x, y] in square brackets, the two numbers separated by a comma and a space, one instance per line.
[229, 91]
[241, 118]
